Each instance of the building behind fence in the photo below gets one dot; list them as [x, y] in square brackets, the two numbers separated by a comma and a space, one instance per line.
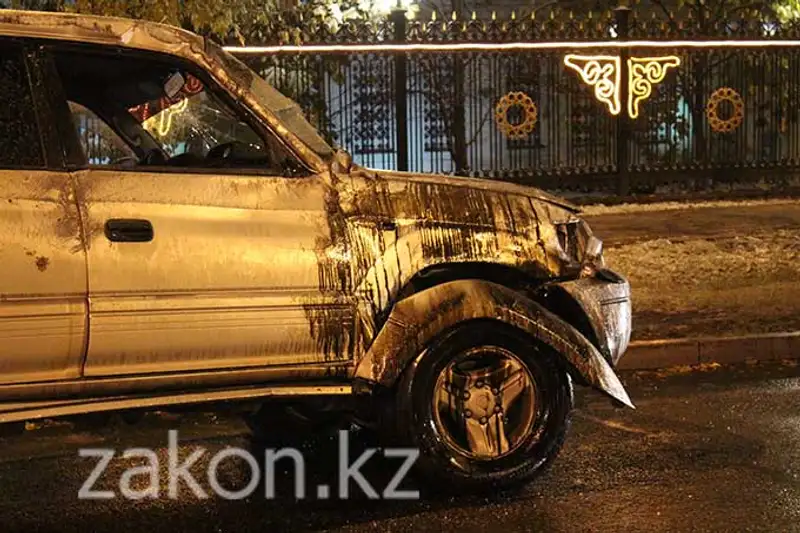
[725, 113]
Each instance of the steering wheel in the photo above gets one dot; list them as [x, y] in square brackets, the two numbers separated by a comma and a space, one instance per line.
[220, 153]
[154, 157]
[127, 160]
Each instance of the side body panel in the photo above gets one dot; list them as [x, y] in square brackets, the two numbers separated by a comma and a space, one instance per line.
[230, 279]
[394, 227]
[43, 309]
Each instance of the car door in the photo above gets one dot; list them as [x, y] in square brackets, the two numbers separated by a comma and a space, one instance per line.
[193, 268]
[43, 289]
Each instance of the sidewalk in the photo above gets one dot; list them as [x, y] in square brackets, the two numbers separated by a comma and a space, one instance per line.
[718, 269]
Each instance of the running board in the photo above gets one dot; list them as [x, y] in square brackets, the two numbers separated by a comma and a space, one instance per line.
[20, 411]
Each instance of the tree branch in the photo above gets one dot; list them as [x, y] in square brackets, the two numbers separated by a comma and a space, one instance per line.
[667, 13]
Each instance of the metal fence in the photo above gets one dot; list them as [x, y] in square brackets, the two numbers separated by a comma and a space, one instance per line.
[724, 111]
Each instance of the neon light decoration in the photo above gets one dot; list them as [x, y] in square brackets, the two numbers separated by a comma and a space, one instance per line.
[643, 73]
[601, 73]
[165, 120]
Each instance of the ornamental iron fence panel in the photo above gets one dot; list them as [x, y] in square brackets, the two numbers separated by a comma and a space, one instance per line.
[628, 117]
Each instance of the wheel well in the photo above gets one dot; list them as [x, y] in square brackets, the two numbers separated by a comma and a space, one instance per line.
[553, 298]
[559, 302]
[508, 276]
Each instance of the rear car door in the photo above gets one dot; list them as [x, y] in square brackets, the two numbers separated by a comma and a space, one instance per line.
[203, 235]
[43, 288]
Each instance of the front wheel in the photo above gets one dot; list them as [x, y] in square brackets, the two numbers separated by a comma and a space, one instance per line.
[487, 407]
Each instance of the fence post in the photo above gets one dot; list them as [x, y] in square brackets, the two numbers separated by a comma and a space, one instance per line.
[398, 18]
[622, 16]
[459, 118]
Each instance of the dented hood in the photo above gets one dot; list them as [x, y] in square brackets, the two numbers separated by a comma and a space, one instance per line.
[491, 186]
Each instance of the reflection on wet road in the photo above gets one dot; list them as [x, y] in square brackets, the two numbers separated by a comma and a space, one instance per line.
[710, 451]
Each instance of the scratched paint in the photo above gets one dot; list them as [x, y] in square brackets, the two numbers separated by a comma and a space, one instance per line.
[43, 305]
[383, 228]
[42, 263]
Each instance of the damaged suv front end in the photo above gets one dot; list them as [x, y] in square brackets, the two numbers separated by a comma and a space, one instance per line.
[401, 232]
[456, 249]
[593, 298]
[456, 313]
[482, 302]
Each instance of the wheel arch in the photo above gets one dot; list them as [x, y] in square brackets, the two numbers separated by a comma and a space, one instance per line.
[418, 319]
[532, 283]
[509, 276]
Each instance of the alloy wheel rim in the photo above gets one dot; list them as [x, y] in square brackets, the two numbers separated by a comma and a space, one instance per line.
[485, 403]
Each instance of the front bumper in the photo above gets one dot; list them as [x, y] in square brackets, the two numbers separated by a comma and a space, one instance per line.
[604, 300]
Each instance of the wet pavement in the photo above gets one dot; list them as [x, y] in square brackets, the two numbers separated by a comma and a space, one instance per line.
[712, 450]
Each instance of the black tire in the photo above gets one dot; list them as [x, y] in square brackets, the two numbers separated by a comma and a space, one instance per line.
[12, 429]
[91, 422]
[278, 421]
[132, 417]
[442, 463]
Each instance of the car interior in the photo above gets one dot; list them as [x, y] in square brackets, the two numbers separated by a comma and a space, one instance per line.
[202, 131]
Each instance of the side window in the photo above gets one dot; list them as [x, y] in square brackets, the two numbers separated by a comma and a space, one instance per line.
[132, 110]
[99, 141]
[20, 145]
[194, 122]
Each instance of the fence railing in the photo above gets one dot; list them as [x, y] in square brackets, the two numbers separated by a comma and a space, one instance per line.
[522, 99]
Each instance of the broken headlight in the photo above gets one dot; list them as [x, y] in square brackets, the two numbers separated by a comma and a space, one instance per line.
[579, 246]
[567, 233]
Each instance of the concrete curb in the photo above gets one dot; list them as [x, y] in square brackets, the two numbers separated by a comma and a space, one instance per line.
[647, 355]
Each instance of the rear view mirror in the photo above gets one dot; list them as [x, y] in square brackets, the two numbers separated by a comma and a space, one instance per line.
[174, 85]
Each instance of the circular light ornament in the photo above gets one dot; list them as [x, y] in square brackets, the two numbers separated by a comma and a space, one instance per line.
[529, 110]
[725, 125]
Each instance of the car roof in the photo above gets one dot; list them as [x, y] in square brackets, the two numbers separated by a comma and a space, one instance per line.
[115, 31]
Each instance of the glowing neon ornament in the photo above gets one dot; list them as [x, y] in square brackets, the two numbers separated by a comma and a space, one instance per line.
[643, 74]
[165, 117]
[602, 73]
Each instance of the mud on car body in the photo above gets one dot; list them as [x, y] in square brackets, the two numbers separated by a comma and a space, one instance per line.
[174, 232]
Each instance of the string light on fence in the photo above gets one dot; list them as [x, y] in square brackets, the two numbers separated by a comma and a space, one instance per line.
[643, 74]
[500, 47]
[602, 73]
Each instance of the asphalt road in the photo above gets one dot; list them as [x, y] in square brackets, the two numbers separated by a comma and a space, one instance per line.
[717, 450]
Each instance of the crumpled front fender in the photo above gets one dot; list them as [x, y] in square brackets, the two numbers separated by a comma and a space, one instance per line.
[417, 320]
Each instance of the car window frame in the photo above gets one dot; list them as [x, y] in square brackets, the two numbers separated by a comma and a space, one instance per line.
[242, 112]
[50, 146]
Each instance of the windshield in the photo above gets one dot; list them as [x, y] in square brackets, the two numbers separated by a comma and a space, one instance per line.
[285, 109]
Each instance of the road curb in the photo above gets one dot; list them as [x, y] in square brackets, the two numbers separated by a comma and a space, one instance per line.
[647, 355]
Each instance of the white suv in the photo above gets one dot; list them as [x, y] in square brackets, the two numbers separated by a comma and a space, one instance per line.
[173, 231]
